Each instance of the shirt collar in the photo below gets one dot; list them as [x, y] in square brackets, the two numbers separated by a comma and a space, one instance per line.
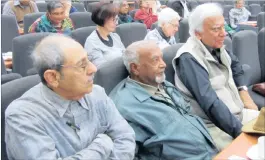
[150, 89]
[59, 103]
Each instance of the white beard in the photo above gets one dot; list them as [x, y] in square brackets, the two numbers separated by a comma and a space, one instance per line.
[160, 79]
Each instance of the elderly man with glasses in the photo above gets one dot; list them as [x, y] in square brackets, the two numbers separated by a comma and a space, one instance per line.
[212, 77]
[66, 116]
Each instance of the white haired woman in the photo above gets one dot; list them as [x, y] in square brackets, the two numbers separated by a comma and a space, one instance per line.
[168, 23]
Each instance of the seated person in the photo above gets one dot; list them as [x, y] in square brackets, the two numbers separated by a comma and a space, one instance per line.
[102, 44]
[68, 7]
[183, 7]
[19, 8]
[53, 21]
[123, 15]
[212, 77]
[66, 116]
[157, 111]
[147, 13]
[238, 14]
[168, 23]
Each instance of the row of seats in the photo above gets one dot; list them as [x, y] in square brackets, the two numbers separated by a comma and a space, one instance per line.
[116, 71]
[43, 7]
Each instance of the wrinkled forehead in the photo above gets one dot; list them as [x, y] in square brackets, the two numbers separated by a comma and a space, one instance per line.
[150, 51]
[214, 21]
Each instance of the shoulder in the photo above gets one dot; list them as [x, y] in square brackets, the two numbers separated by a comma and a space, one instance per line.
[92, 39]
[114, 35]
[27, 104]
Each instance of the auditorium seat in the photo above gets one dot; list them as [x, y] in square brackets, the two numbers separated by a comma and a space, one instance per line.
[81, 34]
[245, 47]
[131, 32]
[9, 30]
[81, 19]
[29, 19]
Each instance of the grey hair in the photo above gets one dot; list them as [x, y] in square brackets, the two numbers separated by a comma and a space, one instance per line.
[167, 15]
[118, 3]
[131, 54]
[49, 54]
[53, 5]
[200, 13]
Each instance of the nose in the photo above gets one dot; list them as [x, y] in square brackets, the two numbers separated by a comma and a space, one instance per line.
[91, 68]
[223, 33]
[162, 64]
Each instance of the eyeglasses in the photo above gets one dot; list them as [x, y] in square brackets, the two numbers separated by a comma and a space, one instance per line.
[218, 29]
[174, 25]
[82, 68]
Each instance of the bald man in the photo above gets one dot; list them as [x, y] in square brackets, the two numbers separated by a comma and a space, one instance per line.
[66, 116]
[157, 111]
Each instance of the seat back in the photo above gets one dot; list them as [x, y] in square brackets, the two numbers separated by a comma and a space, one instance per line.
[79, 6]
[9, 30]
[132, 12]
[261, 44]
[110, 74]
[168, 54]
[93, 5]
[22, 48]
[3, 67]
[131, 32]
[245, 47]
[261, 20]
[42, 7]
[11, 91]
[29, 19]
[227, 9]
[81, 34]
[183, 30]
[81, 19]
[254, 9]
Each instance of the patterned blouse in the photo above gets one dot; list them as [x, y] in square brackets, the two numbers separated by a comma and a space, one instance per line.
[43, 24]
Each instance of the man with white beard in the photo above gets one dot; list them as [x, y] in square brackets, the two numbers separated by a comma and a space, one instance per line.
[157, 111]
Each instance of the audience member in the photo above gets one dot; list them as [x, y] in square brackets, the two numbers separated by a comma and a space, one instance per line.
[19, 8]
[238, 14]
[102, 44]
[68, 7]
[53, 21]
[123, 15]
[157, 111]
[147, 13]
[212, 77]
[168, 23]
[181, 6]
[66, 116]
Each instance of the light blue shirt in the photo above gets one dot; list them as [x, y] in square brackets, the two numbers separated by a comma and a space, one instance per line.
[36, 127]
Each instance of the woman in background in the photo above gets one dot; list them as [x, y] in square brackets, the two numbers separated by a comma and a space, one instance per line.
[103, 45]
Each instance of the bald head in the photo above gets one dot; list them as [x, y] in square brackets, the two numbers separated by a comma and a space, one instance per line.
[136, 50]
[144, 61]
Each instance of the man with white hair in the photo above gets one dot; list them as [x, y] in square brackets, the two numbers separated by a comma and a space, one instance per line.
[66, 116]
[157, 111]
[168, 24]
[212, 77]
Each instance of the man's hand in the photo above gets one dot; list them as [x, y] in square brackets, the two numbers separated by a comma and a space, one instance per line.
[247, 100]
